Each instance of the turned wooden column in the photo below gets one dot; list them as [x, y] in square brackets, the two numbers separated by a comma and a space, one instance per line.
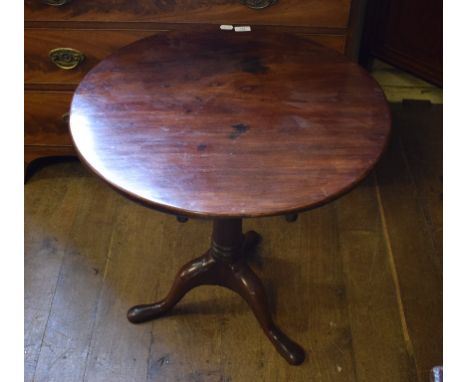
[226, 239]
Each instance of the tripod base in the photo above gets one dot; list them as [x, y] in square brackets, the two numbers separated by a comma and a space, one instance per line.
[224, 264]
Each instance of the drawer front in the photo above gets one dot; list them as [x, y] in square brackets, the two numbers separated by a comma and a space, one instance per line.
[311, 13]
[45, 63]
[46, 118]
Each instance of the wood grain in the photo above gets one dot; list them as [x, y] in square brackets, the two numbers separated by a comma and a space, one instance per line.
[373, 308]
[314, 13]
[49, 222]
[421, 135]
[73, 310]
[114, 342]
[208, 124]
[416, 260]
[341, 298]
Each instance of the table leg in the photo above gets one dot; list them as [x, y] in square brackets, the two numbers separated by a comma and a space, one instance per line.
[225, 265]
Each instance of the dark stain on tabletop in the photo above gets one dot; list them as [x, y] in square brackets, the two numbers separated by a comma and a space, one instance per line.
[253, 65]
[239, 129]
[201, 147]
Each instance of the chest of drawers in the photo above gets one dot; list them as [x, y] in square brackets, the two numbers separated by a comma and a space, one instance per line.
[66, 38]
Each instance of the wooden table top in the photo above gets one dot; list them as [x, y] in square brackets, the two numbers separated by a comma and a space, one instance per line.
[229, 124]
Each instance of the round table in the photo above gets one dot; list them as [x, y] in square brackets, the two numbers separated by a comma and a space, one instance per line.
[225, 125]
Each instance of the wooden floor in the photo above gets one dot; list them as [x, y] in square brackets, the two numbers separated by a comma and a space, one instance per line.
[399, 85]
[357, 282]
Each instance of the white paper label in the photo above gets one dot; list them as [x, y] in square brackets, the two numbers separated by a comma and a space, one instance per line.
[226, 27]
[243, 29]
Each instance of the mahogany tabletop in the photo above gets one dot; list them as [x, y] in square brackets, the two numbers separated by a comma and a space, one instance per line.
[227, 124]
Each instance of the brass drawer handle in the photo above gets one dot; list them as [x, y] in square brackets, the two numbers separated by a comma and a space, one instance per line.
[65, 117]
[56, 3]
[66, 58]
[258, 4]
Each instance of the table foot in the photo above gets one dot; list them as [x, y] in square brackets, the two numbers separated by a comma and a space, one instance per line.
[225, 265]
[190, 275]
[246, 283]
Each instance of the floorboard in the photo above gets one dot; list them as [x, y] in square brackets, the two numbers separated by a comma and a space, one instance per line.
[379, 344]
[417, 265]
[72, 314]
[51, 205]
[419, 127]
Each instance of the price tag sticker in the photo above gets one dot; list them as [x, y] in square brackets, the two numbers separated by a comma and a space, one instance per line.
[226, 27]
[245, 28]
